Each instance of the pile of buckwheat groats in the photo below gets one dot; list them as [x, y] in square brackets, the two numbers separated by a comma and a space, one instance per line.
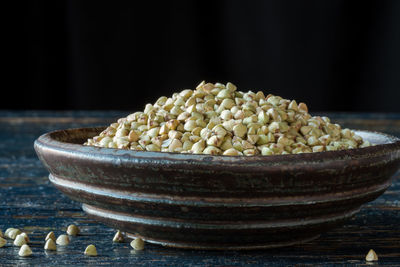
[218, 119]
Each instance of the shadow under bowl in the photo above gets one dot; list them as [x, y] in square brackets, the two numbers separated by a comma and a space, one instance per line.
[218, 202]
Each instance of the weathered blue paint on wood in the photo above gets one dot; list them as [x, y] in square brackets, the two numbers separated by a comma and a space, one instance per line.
[29, 202]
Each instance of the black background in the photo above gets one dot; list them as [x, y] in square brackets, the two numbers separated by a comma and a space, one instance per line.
[333, 55]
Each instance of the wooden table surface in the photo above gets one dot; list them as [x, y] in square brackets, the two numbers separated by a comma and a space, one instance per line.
[29, 202]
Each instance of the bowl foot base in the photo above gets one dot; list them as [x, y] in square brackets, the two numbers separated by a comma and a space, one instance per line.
[184, 245]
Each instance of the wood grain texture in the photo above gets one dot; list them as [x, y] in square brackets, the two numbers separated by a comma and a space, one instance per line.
[29, 202]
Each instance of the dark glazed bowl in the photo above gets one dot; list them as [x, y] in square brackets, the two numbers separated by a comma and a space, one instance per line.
[218, 202]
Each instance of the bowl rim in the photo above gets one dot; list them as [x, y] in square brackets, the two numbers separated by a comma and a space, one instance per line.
[49, 141]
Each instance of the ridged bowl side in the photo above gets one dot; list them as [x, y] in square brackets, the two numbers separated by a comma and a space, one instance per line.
[218, 202]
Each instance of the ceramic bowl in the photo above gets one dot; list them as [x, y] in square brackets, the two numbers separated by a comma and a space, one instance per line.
[218, 202]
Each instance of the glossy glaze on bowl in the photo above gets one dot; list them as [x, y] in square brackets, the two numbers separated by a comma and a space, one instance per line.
[218, 202]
